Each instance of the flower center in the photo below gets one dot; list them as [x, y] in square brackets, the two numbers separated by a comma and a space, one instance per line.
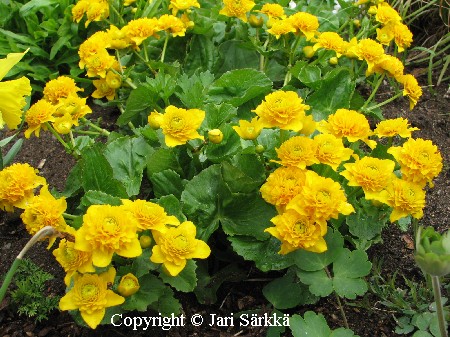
[88, 291]
[110, 225]
[177, 123]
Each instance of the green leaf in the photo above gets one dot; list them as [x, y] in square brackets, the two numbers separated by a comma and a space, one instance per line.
[263, 253]
[367, 222]
[151, 290]
[99, 198]
[218, 114]
[348, 271]
[309, 75]
[202, 55]
[167, 182]
[245, 173]
[318, 281]
[172, 206]
[335, 92]
[203, 198]
[310, 261]
[140, 99]
[192, 89]
[167, 304]
[230, 145]
[126, 156]
[422, 334]
[142, 264]
[313, 325]
[161, 160]
[275, 292]
[235, 54]
[247, 215]
[185, 281]
[239, 86]
[97, 174]
[12, 152]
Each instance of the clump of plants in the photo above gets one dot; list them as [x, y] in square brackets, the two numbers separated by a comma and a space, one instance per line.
[242, 126]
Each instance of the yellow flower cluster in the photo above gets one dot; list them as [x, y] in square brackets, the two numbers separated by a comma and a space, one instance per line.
[95, 10]
[61, 107]
[94, 52]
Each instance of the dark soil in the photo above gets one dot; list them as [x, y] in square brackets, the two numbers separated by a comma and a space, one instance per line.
[367, 317]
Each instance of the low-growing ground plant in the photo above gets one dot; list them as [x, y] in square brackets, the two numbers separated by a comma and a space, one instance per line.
[243, 135]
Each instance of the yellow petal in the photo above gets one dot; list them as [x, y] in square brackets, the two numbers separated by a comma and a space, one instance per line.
[174, 269]
[80, 241]
[66, 302]
[10, 61]
[319, 247]
[101, 258]
[113, 299]
[93, 319]
[157, 256]
[133, 249]
[202, 251]
[12, 100]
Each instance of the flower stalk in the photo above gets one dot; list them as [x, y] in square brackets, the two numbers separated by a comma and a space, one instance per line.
[439, 306]
[44, 232]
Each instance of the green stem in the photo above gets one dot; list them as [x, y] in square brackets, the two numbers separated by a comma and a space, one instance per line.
[163, 54]
[341, 308]
[262, 59]
[374, 91]
[95, 127]
[92, 133]
[70, 216]
[58, 137]
[393, 98]
[46, 231]
[439, 307]
[147, 63]
[130, 83]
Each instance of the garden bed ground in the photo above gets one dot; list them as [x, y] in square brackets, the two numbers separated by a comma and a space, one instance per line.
[367, 317]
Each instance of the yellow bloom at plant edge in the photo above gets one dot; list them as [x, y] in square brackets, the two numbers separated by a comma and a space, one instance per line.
[305, 23]
[37, 115]
[95, 44]
[386, 14]
[281, 27]
[181, 5]
[237, 8]
[402, 37]
[154, 120]
[283, 109]
[180, 125]
[406, 198]
[176, 245]
[350, 124]
[107, 230]
[17, 185]
[172, 24]
[320, 199]
[331, 151]
[393, 127]
[282, 185]
[99, 64]
[44, 210]
[149, 215]
[411, 88]
[369, 51]
[330, 41]
[128, 285]
[63, 124]
[419, 159]
[297, 151]
[12, 93]
[296, 231]
[249, 130]
[372, 174]
[60, 87]
[74, 106]
[102, 89]
[72, 260]
[273, 11]
[385, 35]
[91, 296]
[389, 65]
[136, 31]
[97, 11]
[79, 10]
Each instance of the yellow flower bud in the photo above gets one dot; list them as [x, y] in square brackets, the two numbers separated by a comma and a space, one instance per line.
[128, 285]
[372, 10]
[255, 22]
[357, 23]
[145, 241]
[260, 148]
[113, 80]
[215, 136]
[333, 61]
[154, 120]
[308, 51]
